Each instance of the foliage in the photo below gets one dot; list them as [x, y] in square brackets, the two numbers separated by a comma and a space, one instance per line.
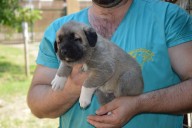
[7, 16]
[27, 15]
[12, 14]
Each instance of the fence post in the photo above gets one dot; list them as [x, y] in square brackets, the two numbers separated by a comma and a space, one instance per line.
[26, 41]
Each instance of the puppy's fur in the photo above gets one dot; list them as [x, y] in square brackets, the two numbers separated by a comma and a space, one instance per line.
[112, 72]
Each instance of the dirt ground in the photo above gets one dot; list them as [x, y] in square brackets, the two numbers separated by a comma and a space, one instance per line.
[15, 113]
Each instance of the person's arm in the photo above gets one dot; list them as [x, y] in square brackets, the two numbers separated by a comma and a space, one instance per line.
[173, 100]
[43, 101]
[176, 99]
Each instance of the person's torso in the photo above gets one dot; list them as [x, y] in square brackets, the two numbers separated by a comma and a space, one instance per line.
[142, 35]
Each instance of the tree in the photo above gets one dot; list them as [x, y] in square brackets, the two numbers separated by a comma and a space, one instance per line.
[7, 9]
[27, 15]
[12, 14]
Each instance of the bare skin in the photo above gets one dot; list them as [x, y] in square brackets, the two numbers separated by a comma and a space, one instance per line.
[106, 20]
[41, 95]
[43, 101]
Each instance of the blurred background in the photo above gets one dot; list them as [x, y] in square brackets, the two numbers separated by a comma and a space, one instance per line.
[22, 24]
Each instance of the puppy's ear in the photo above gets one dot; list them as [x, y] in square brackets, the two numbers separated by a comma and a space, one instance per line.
[55, 46]
[91, 36]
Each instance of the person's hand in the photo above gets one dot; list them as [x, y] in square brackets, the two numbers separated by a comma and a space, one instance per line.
[76, 80]
[116, 113]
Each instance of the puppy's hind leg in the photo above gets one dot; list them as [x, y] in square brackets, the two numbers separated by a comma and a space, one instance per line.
[129, 84]
[95, 79]
[104, 97]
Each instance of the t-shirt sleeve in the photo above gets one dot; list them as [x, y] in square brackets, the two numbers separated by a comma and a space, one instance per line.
[46, 54]
[178, 26]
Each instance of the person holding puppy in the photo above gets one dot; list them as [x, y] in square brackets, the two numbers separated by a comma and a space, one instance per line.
[157, 34]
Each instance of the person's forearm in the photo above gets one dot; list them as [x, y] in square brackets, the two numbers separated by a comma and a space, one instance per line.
[44, 102]
[174, 100]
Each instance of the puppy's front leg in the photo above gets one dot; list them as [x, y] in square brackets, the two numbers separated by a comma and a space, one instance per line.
[60, 78]
[85, 96]
[96, 79]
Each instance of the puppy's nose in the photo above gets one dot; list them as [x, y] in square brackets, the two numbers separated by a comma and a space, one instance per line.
[64, 51]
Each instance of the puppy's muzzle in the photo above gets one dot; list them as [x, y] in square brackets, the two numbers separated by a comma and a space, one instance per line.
[65, 55]
[70, 54]
[64, 51]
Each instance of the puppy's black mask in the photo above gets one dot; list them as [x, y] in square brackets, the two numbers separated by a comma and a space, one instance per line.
[71, 48]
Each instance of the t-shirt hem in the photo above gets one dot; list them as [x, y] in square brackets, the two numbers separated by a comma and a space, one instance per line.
[50, 65]
[181, 41]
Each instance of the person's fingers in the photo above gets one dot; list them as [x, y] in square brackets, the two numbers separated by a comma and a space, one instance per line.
[108, 119]
[109, 107]
[78, 77]
[100, 124]
[76, 69]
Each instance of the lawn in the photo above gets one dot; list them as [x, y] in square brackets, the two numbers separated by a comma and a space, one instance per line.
[14, 112]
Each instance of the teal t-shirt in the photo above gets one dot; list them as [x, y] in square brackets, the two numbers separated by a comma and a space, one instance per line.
[149, 28]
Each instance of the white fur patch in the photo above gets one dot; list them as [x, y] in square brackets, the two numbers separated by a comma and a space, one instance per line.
[58, 82]
[84, 68]
[85, 96]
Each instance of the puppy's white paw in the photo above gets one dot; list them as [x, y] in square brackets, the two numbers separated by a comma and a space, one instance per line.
[84, 102]
[58, 82]
[85, 97]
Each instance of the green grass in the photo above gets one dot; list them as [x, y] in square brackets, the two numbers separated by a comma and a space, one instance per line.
[12, 71]
[14, 112]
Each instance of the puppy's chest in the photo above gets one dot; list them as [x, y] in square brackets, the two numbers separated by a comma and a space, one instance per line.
[84, 68]
[89, 66]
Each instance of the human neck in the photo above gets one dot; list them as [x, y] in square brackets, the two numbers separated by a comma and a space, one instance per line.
[106, 20]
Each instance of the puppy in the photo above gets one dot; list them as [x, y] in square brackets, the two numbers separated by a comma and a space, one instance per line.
[112, 72]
